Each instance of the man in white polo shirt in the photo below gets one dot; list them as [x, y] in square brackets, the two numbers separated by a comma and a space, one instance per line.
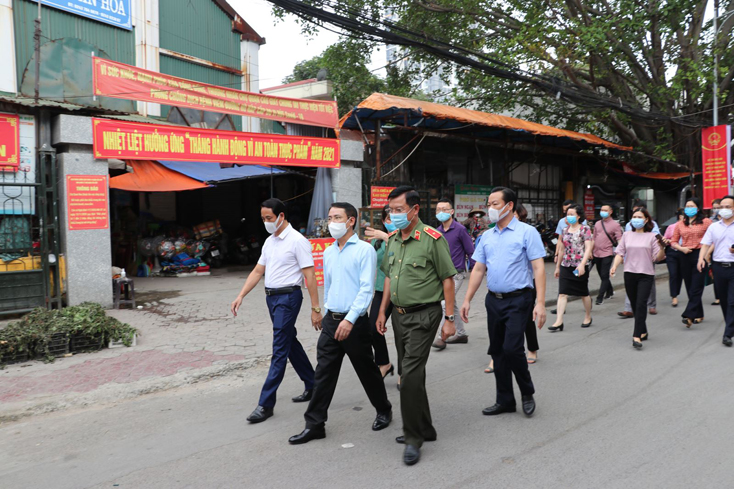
[285, 260]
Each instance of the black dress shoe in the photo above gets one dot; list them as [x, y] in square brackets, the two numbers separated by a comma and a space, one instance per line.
[554, 311]
[382, 421]
[726, 341]
[305, 397]
[260, 414]
[644, 337]
[401, 439]
[599, 301]
[498, 409]
[636, 344]
[307, 435]
[553, 329]
[411, 455]
[586, 325]
[528, 405]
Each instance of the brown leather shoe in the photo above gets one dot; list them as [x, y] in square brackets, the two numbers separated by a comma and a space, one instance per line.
[653, 311]
[625, 314]
[457, 339]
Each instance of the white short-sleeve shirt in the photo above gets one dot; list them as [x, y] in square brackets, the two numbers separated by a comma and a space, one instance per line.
[284, 257]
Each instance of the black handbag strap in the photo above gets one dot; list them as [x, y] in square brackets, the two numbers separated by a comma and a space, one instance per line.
[614, 241]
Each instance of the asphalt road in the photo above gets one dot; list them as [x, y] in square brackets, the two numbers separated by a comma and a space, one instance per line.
[608, 416]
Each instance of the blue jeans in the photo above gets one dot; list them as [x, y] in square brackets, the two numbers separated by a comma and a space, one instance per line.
[284, 310]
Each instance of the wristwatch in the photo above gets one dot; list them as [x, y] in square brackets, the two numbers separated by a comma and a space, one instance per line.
[449, 318]
[317, 310]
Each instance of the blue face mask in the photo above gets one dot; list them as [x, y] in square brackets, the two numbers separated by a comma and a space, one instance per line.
[571, 219]
[400, 220]
[390, 227]
[443, 216]
[691, 211]
[604, 214]
[637, 223]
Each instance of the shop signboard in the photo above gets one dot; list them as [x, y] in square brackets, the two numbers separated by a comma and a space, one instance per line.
[378, 196]
[468, 197]
[589, 209]
[18, 200]
[113, 12]
[318, 246]
[716, 152]
[119, 80]
[138, 141]
[87, 202]
[9, 142]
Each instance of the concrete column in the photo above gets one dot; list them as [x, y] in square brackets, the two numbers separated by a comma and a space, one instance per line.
[346, 181]
[147, 44]
[250, 79]
[8, 74]
[88, 252]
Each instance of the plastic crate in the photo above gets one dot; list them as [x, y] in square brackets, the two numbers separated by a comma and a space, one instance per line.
[9, 355]
[58, 345]
[82, 342]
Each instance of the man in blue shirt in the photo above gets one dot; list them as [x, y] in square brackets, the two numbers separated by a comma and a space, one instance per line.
[512, 255]
[349, 283]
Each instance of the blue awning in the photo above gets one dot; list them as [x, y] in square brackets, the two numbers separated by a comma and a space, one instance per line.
[213, 172]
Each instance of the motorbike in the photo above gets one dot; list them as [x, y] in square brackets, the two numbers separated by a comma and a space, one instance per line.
[216, 252]
[245, 249]
[550, 240]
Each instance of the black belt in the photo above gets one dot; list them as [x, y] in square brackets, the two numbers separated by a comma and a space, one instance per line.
[282, 290]
[725, 264]
[337, 316]
[514, 293]
[419, 307]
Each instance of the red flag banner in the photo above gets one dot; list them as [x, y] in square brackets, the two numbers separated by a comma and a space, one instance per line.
[119, 80]
[87, 202]
[318, 246]
[9, 142]
[716, 152]
[139, 141]
[378, 196]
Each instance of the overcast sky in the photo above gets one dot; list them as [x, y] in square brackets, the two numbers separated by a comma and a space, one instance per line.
[285, 46]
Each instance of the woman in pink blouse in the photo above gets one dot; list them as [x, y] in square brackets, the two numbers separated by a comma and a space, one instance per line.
[687, 239]
[575, 248]
[639, 250]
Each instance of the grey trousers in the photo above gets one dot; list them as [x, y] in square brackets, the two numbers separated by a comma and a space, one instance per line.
[652, 302]
[460, 331]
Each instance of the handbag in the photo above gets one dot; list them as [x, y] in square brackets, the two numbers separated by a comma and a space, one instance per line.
[614, 241]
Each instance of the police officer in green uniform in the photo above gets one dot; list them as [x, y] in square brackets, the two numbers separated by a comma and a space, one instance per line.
[418, 269]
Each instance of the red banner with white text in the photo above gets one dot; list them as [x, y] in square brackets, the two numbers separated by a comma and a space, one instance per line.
[119, 80]
[716, 152]
[318, 246]
[9, 142]
[138, 141]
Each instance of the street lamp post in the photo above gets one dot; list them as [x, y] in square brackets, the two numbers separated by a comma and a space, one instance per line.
[723, 16]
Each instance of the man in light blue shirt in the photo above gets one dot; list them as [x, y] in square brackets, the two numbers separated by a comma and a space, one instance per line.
[512, 256]
[349, 283]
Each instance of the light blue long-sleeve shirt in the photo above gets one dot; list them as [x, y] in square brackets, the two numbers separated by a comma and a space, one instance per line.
[349, 278]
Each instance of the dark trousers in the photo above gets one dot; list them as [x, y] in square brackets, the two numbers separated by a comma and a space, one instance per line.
[330, 353]
[695, 282]
[379, 345]
[675, 278]
[284, 310]
[638, 287]
[507, 321]
[724, 284]
[531, 334]
[417, 330]
[603, 265]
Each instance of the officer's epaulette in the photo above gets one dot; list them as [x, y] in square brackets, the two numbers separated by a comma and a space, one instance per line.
[392, 234]
[432, 232]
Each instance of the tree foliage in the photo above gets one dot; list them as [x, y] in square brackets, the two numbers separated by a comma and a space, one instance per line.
[346, 66]
[656, 55]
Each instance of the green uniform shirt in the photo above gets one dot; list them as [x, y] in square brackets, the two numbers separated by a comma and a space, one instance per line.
[417, 266]
[380, 279]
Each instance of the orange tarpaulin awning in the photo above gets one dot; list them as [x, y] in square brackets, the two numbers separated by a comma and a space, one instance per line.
[150, 176]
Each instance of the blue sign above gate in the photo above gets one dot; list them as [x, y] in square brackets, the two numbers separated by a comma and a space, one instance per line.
[114, 12]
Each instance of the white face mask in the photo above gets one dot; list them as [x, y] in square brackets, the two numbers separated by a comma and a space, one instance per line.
[272, 227]
[337, 229]
[726, 213]
[494, 214]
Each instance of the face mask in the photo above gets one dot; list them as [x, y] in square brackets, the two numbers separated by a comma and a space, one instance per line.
[691, 211]
[714, 212]
[302, 230]
[390, 227]
[637, 223]
[726, 213]
[494, 214]
[443, 216]
[337, 229]
[400, 220]
[571, 220]
[604, 214]
[272, 227]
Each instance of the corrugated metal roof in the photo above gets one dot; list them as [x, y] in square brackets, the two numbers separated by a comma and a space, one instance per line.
[30, 102]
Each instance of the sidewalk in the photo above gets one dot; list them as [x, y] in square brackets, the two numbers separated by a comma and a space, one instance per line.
[187, 335]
